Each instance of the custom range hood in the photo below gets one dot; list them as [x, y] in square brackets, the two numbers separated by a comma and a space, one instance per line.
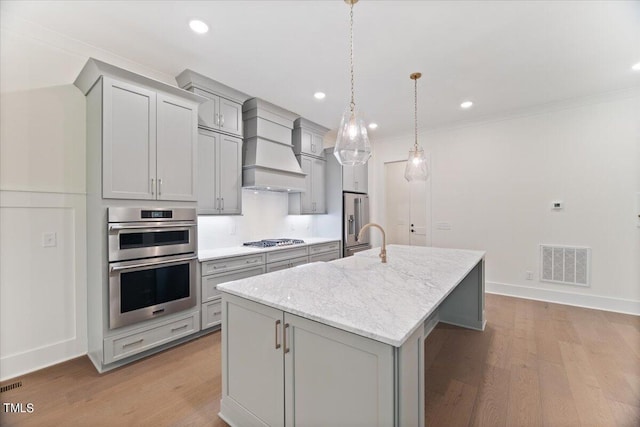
[268, 162]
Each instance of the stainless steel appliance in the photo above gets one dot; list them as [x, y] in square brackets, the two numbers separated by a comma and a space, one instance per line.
[268, 243]
[152, 263]
[355, 209]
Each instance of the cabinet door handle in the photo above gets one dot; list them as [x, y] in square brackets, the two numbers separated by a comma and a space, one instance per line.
[217, 120]
[153, 190]
[159, 187]
[284, 337]
[277, 328]
[221, 120]
[217, 203]
[222, 205]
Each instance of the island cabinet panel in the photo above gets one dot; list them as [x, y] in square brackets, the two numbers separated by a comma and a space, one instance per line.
[464, 306]
[335, 378]
[252, 365]
[279, 369]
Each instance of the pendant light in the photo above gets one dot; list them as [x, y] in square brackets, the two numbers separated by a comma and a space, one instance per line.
[416, 169]
[352, 145]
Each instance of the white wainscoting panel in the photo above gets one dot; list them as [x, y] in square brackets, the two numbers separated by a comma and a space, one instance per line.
[43, 309]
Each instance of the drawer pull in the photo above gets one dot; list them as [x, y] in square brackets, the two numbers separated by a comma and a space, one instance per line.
[133, 343]
[158, 311]
[215, 313]
[252, 262]
[219, 266]
[179, 327]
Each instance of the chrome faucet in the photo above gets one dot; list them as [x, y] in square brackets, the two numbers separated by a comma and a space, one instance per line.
[383, 250]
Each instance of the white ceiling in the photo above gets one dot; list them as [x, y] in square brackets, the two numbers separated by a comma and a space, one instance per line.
[502, 55]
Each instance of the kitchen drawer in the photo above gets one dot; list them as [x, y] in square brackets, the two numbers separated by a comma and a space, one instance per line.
[325, 257]
[288, 263]
[211, 314]
[209, 291]
[232, 263]
[121, 347]
[324, 247]
[286, 254]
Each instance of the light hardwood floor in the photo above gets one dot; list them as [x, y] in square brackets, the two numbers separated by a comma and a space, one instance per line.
[536, 364]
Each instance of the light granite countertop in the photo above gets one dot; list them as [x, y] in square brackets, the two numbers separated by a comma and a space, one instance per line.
[211, 254]
[359, 294]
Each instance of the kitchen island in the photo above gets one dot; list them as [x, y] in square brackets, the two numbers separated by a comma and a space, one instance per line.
[342, 343]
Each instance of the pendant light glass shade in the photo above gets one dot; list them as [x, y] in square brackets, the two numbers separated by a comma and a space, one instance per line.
[352, 144]
[416, 169]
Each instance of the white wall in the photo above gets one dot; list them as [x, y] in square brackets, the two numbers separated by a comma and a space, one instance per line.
[495, 181]
[43, 306]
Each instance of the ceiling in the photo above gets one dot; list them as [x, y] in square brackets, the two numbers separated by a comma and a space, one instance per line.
[504, 56]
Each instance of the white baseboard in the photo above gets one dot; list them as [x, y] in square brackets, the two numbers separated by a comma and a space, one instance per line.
[567, 298]
[17, 365]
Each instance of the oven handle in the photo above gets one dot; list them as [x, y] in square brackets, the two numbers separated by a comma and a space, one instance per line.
[150, 264]
[173, 224]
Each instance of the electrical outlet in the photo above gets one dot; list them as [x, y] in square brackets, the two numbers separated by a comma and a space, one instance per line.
[49, 239]
[529, 275]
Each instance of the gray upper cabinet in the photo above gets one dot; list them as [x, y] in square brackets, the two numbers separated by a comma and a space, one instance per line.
[220, 114]
[313, 200]
[355, 178]
[223, 110]
[219, 174]
[148, 142]
[307, 138]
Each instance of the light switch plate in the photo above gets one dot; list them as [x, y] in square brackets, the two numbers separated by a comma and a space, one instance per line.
[49, 239]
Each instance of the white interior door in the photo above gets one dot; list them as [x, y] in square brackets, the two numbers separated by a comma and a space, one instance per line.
[406, 207]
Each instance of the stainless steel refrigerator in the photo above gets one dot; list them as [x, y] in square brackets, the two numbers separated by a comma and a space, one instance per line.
[355, 208]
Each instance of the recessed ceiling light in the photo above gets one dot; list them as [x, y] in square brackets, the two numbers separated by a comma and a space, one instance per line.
[319, 95]
[636, 67]
[373, 126]
[198, 26]
[466, 104]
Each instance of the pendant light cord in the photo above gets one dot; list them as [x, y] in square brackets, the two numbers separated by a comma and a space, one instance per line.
[415, 112]
[353, 96]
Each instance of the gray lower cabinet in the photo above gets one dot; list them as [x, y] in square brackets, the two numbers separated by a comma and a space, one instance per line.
[219, 174]
[286, 258]
[120, 347]
[288, 263]
[279, 369]
[324, 251]
[220, 271]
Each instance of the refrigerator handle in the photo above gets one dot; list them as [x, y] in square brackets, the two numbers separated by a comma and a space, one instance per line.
[357, 207]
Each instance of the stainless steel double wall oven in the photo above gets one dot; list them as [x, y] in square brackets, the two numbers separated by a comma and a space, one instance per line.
[152, 263]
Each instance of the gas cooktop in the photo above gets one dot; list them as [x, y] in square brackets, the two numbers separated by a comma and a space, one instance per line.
[267, 243]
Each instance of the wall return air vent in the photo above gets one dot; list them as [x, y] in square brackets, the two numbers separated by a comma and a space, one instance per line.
[565, 264]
